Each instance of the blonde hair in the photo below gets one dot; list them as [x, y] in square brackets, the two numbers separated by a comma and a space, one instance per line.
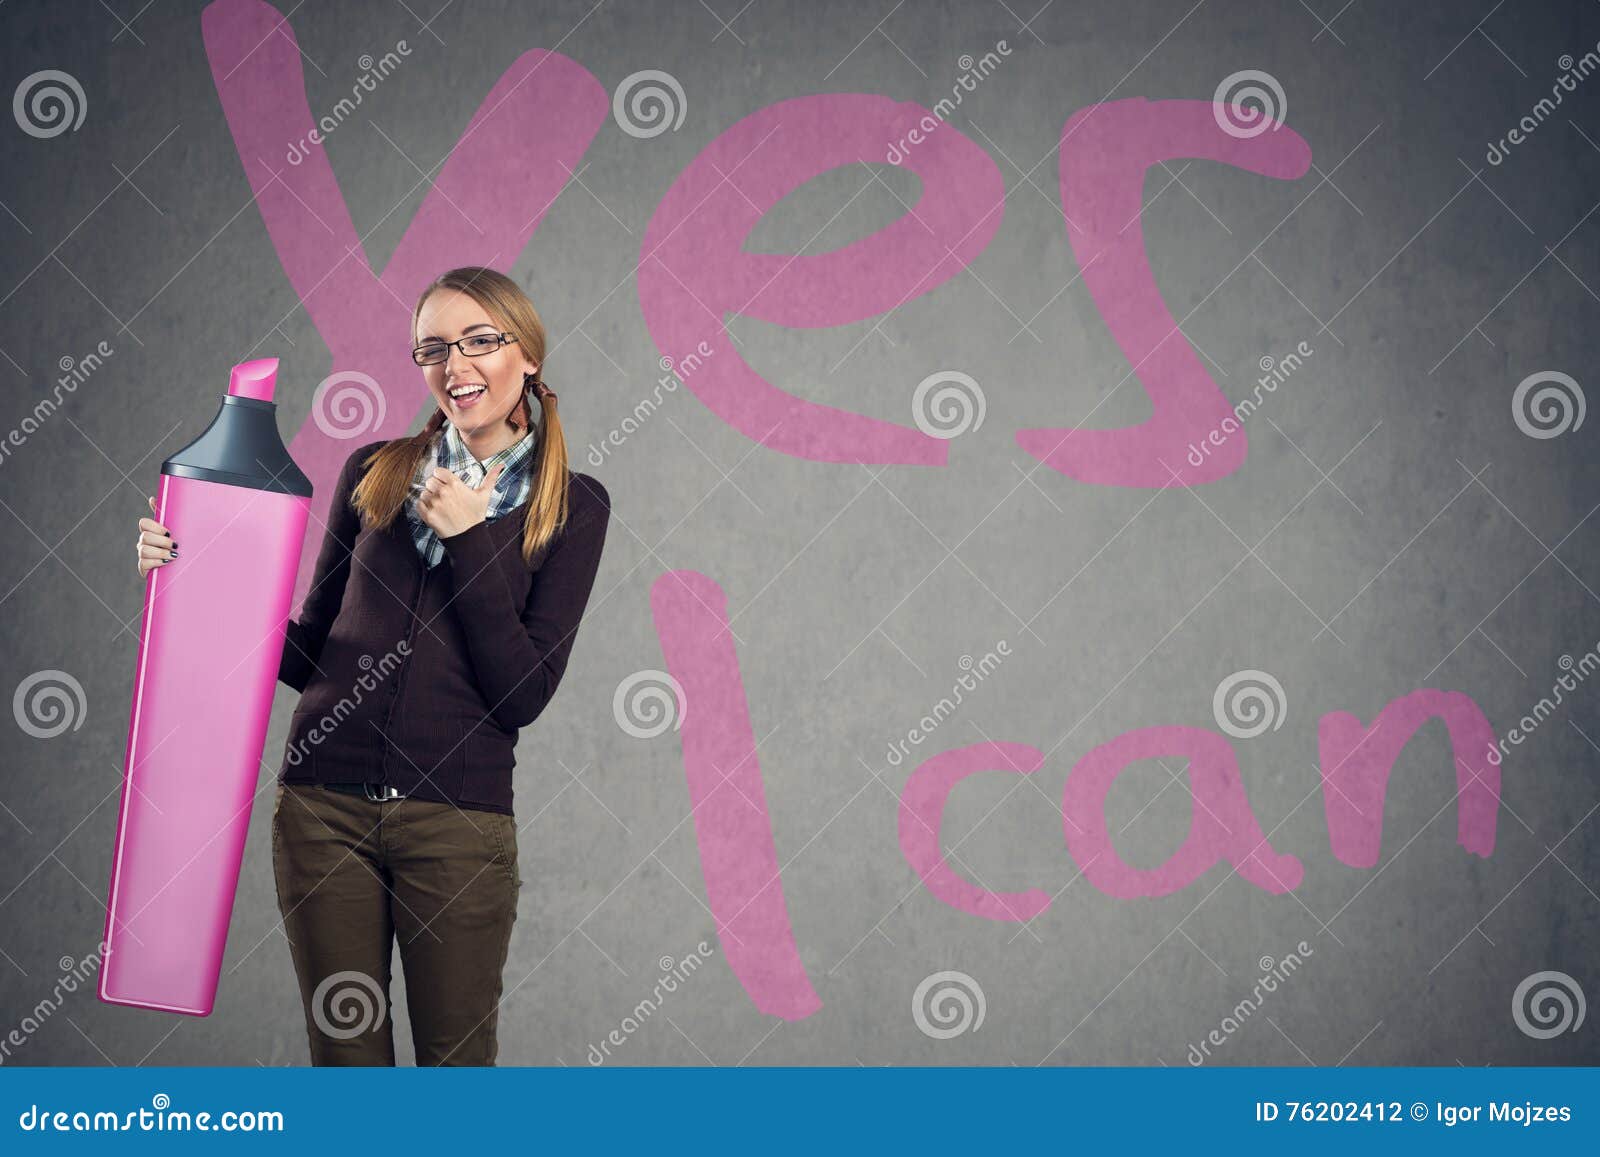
[382, 492]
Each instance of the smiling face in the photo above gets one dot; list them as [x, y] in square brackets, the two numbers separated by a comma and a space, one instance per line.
[476, 394]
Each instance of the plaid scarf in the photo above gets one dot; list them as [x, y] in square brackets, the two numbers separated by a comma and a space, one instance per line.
[449, 451]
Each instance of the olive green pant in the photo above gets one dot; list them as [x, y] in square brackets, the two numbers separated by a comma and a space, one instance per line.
[352, 876]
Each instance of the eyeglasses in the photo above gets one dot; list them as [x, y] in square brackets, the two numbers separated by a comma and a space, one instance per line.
[431, 353]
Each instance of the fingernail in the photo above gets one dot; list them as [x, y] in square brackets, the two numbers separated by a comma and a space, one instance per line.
[173, 553]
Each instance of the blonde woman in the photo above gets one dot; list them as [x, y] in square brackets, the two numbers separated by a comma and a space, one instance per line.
[447, 596]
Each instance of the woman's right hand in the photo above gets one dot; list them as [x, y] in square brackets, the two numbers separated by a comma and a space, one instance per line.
[156, 547]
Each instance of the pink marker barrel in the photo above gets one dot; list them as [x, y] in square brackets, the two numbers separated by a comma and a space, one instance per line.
[207, 669]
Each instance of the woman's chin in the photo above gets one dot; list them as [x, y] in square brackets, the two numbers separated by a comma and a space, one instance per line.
[467, 422]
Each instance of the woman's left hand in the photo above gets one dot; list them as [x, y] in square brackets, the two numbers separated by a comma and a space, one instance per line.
[449, 506]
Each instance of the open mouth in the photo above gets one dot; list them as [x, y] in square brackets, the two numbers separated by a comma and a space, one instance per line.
[466, 396]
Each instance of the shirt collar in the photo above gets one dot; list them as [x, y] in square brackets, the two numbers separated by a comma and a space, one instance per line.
[458, 457]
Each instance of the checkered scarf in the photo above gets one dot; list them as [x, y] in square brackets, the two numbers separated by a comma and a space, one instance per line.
[449, 451]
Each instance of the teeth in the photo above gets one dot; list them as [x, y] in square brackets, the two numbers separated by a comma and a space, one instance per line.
[463, 391]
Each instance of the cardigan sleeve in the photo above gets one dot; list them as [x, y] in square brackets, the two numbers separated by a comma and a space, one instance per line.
[519, 653]
[304, 637]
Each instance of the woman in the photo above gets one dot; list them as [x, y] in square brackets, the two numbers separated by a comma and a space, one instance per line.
[452, 578]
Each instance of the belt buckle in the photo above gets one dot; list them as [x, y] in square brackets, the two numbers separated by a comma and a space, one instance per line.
[379, 792]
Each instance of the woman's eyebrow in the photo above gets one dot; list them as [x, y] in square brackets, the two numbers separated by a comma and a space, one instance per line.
[469, 329]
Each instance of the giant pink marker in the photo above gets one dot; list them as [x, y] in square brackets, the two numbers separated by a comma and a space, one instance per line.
[209, 653]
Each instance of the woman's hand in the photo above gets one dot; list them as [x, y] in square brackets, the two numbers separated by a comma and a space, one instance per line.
[156, 547]
[449, 506]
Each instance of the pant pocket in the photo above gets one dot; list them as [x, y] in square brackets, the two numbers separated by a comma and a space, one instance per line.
[281, 867]
[505, 837]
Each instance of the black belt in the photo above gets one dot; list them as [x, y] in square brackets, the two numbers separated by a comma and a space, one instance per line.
[376, 792]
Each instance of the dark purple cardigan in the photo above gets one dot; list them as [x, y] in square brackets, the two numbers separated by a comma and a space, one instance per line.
[420, 678]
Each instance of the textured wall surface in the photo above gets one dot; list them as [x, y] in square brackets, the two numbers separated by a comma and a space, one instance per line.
[1394, 269]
